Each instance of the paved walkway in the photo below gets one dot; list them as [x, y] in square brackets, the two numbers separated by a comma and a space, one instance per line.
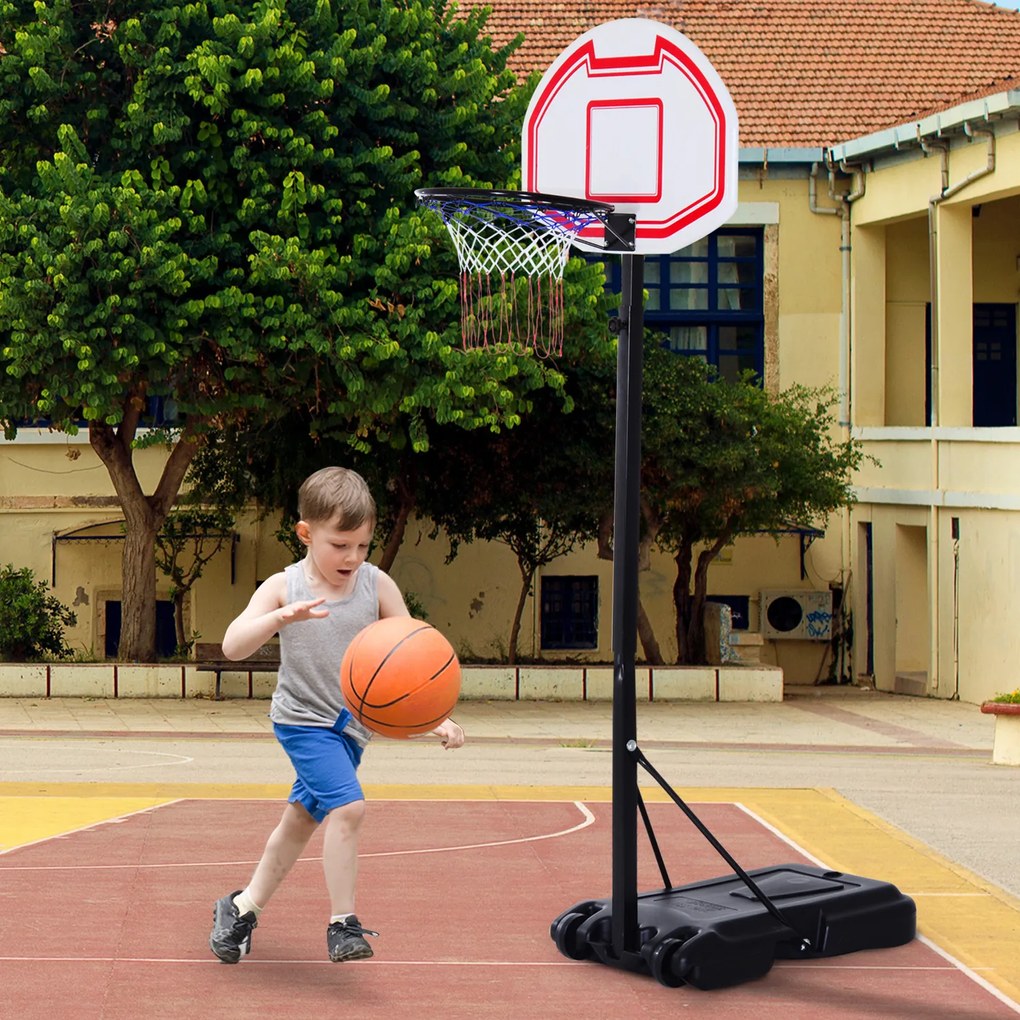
[919, 764]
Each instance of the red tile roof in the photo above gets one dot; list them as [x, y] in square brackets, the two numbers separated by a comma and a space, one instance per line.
[803, 72]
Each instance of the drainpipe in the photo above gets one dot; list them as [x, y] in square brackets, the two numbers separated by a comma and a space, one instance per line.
[842, 210]
[945, 192]
[856, 191]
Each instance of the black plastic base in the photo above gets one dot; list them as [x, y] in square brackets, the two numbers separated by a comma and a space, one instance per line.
[716, 933]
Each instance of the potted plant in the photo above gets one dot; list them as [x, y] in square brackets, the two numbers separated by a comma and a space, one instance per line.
[1006, 744]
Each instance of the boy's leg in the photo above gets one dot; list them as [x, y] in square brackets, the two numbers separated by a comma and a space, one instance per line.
[340, 855]
[345, 936]
[235, 916]
[284, 846]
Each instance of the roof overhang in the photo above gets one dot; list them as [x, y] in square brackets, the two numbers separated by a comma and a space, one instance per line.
[758, 155]
[955, 120]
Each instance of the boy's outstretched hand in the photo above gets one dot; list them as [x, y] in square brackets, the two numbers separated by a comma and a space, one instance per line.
[450, 733]
[293, 612]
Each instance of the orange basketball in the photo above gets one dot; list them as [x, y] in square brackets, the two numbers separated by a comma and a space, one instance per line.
[399, 677]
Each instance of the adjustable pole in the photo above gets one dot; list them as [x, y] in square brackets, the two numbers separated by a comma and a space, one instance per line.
[626, 537]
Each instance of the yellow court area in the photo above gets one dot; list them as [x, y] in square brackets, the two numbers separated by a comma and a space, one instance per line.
[966, 917]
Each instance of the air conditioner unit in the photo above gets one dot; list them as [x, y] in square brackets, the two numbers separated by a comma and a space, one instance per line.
[796, 615]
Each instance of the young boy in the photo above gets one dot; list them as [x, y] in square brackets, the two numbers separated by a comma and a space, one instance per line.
[317, 605]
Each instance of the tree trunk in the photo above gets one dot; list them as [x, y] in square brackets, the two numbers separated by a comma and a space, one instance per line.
[138, 591]
[646, 633]
[180, 637]
[696, 612]
[690, 599]
[143, 517]
[653, 654]
[682, 603]
[396, 536]
[527, 577]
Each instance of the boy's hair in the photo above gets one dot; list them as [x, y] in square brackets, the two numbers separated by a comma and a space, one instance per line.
[336, 494]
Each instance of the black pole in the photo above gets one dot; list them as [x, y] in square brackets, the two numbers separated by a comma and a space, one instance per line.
[626, 537]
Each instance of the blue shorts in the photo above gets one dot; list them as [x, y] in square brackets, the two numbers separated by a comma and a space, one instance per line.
[326, 762]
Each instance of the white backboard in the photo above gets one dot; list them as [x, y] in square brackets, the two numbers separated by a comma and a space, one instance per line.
[633, 114]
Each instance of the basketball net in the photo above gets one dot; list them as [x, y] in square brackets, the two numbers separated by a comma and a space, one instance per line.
[513, 249]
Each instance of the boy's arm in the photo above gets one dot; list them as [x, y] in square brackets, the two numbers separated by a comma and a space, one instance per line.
[391, 602]
[264, 615]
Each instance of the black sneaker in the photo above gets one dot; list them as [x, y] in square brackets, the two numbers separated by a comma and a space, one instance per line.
[346, 940]
[231, 932]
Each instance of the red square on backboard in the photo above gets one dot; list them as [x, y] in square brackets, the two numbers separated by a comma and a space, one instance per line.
[624, 150]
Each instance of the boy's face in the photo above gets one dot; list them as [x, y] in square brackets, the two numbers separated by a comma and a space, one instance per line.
[336, 554]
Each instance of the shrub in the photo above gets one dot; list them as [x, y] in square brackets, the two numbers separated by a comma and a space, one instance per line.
[32, 620]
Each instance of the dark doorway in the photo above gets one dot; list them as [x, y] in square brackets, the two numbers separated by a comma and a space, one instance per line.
[994, 365]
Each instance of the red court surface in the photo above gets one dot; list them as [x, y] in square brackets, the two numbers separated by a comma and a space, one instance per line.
[111, 922]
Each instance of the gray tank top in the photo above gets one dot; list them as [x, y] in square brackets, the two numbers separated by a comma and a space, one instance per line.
[308, 684]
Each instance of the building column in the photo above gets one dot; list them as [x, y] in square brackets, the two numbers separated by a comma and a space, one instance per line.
[952, 317]
[868, 327]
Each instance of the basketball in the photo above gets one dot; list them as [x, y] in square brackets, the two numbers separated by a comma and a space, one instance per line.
[399, 677]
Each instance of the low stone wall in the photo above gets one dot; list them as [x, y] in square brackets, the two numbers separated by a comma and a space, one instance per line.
[494, 683]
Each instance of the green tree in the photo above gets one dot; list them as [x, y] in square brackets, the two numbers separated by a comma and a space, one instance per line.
[541, 488]
[32, 619]
[722, 459]
[212, 202]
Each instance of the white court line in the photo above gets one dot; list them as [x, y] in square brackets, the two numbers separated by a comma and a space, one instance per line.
[181, 759]
[958, 964]
[249, 962]
[972, 974]
[587, 818]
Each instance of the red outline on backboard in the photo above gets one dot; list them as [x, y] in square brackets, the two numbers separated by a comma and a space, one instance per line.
[628, 104]
[664, 50]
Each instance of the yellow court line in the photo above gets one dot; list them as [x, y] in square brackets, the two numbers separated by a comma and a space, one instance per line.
[963, 914]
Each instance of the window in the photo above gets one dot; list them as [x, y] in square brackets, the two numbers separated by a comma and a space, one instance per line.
[708, 300]
[994, 356]
[158, 411]
[994, 363]
[570, 612]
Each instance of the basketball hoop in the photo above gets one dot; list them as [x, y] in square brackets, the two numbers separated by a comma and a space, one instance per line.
[512, 247]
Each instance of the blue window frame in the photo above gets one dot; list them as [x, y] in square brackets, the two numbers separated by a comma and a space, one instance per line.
[570, 617]
[708, 299]
[158, 411]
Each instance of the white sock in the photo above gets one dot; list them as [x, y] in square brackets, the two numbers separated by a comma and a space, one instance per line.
[246, 905]
[339, 917]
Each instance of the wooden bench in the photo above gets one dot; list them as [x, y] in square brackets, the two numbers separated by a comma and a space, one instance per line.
[209, 659]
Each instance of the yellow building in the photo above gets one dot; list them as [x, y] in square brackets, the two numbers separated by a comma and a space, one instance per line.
[875, 248]
[935, 276]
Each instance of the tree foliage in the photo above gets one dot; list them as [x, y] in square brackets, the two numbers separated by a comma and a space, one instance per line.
[212, 202]
[723, 459]
[541, 488]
